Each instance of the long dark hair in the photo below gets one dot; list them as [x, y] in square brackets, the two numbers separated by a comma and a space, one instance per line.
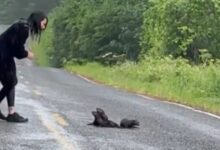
[34, 20]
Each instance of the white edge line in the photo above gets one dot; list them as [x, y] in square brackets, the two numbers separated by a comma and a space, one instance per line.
[88, 80]
[172, 103]
[184, 106]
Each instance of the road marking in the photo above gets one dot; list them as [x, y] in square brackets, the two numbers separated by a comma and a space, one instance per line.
[184, 106]
[146, 97]
[57, 131]
[90, 81]
[180, 105]
[36, 92]
[63, 138]
[60, 120]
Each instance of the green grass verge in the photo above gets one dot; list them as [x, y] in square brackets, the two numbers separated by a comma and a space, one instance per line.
[166, 79]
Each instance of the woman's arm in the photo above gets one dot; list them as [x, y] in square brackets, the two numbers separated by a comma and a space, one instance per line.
[30, 55]
[21, 35]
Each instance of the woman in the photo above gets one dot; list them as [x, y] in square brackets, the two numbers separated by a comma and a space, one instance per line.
[12, 44]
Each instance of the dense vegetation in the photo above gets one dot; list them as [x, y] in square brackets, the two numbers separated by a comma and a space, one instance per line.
[187, 28]
[89, 29]
[168, 48]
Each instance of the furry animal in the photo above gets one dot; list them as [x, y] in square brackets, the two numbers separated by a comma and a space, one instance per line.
[101, 120]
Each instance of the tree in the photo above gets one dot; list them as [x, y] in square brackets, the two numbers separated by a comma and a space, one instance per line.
[87, 29]
[182, 28]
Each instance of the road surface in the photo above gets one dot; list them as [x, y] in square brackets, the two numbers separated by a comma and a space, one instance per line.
[59, 107]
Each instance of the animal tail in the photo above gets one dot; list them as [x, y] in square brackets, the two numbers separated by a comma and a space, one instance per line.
[126, 123]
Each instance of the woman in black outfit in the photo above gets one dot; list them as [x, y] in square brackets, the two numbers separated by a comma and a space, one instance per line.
[12, 44]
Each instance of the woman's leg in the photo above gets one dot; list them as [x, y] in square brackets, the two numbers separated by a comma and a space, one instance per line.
[2, 116]
[11, 100]
[3, 92]
[10, 82]
[8, 91]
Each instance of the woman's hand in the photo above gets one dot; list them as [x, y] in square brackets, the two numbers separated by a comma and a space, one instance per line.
[30, 55]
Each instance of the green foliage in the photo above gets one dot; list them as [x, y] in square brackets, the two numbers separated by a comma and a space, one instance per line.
[182, 28]
[89, 29]
[109, 31]
[173, 79]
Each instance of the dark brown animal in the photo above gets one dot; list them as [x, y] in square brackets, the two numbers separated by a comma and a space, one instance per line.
[101, 120]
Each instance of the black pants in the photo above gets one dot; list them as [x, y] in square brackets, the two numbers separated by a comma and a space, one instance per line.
[8, 78]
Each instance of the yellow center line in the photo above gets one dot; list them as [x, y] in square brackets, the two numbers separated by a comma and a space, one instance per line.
[56, 130]
[59, 137]
[60, 120]
[37, 93]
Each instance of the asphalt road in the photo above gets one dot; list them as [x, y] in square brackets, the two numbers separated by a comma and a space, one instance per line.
[59, 107]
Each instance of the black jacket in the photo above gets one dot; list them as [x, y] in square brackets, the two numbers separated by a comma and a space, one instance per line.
[12, 41]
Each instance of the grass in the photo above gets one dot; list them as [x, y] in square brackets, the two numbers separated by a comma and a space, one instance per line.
[166, 79]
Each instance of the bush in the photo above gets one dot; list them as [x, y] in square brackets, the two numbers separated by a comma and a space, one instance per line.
[89, 29]
[182, 28]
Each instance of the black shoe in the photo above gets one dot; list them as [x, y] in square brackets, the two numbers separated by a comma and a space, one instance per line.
[15, 117]
[2, 116]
